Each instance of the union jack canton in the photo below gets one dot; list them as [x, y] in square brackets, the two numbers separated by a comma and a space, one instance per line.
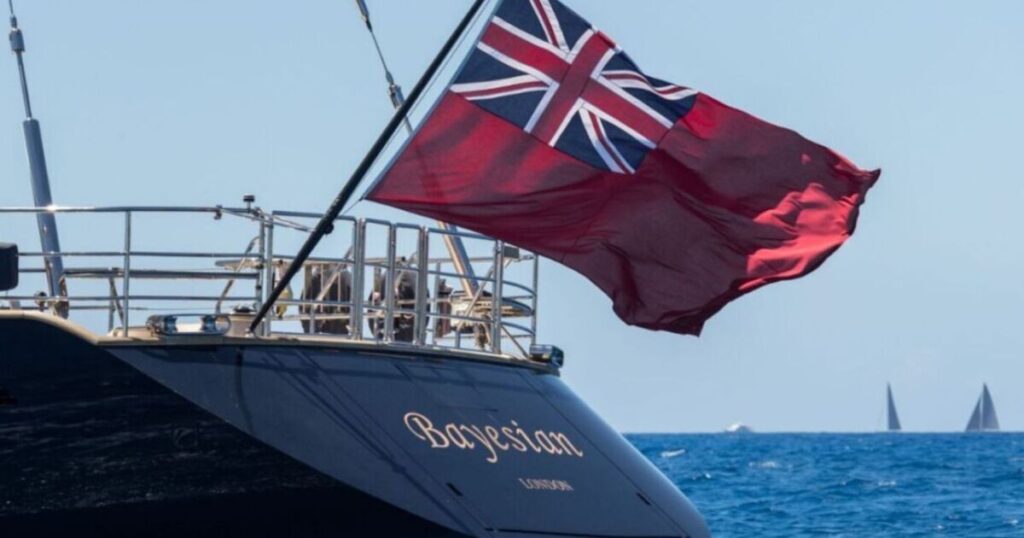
[543, 68]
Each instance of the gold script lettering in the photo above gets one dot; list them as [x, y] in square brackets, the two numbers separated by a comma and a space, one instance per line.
[494, 441]
[421, 427]
[475, 432]
[566, 444]
[516, 443]
[520, 432]
[457, 438]
[492, 432]
[546, 444]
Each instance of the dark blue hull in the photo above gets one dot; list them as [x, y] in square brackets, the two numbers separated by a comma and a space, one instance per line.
[292, 439]
[89, 446]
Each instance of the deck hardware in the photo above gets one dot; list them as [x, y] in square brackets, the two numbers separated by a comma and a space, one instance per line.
[549, 354]
[204, 325]
[163, 325]
[215, 324]
[135, 279]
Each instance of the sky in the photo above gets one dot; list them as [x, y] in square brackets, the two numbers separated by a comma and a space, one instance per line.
[196, 103]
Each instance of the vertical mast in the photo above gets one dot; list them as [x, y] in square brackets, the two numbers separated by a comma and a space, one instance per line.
[46, 222]
[456, 250]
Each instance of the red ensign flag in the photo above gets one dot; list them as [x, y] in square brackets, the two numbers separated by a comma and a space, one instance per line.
[671, 202]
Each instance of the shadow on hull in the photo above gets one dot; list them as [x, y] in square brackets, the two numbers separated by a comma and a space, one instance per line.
[306, 513]
[89, 446]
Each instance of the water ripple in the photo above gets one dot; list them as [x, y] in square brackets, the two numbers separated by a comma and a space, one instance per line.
[871, 485]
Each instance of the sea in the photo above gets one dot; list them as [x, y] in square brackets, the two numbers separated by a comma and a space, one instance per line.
[851, 485]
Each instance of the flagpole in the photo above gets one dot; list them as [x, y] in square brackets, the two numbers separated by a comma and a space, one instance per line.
[326, 224]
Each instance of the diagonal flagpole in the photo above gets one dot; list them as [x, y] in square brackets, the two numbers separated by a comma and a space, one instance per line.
[326, 224]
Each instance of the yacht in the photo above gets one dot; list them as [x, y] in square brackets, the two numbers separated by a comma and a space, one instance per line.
[398, 388]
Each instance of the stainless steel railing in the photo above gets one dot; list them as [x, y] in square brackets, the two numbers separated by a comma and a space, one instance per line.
[377, 280]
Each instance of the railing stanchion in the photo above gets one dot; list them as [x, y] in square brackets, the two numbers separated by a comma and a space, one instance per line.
[270, 272]
[422, 280]
[423, 311]
[358, 278]
[127, 279]
[258, 288]
[389, 286]
[499, 271]
[111, 306]
[437, 303]
[536, 298]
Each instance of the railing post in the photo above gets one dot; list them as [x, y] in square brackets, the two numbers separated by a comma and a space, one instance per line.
[126, 281]
[358, 277]
[389, 286]
[422, 275]
[268, 267]
[437, 302]
[258, 288]
[111, 308]
[499, 272]
[536, 298]
[307, 269]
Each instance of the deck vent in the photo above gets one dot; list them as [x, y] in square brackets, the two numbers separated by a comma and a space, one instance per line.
[8, 266]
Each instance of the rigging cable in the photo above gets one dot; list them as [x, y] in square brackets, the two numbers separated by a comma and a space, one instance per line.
[365, 15]
[18, 48]
[456, 249]
[394, 90]
[326, 223]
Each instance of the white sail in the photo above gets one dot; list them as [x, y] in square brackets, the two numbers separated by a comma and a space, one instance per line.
[893, 423]
[989, 420]
[974, 424]
[984, 417]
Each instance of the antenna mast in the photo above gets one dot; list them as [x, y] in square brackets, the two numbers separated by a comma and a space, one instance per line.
[456, 250]
[46, 222]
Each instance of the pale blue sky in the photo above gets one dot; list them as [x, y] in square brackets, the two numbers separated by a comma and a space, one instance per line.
[196, 102]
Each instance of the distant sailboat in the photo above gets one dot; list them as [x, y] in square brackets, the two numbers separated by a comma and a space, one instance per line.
[984, 418]
[893, 424]
[739, 427]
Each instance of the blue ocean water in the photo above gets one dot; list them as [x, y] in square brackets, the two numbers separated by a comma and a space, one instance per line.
[853, 485]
